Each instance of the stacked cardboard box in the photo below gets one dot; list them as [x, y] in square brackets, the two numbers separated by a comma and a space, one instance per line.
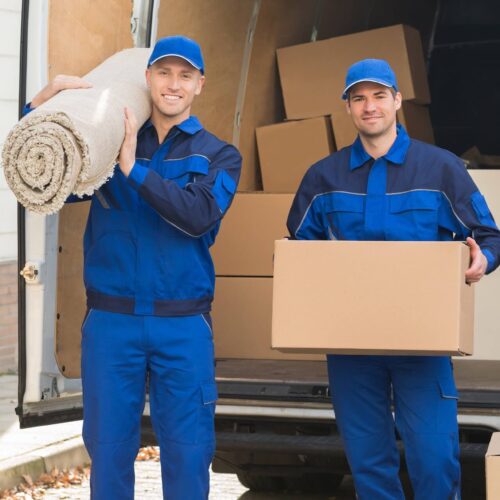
[287, 150]
[243, 258]
[493, 468]
[312, 78]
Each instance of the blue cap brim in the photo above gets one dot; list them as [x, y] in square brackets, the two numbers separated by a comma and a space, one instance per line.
[176, 55]
[374, 80]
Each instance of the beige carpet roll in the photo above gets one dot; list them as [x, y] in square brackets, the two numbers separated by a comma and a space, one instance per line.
[70, 144]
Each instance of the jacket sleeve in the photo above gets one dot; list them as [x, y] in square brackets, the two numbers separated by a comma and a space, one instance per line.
[197, 207]
[27, 109]
[305, 217]
[471, 210]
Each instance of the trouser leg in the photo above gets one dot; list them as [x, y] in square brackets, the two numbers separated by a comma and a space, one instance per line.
[113, 380]
[425, 399]
[360, 388]
[182, 402]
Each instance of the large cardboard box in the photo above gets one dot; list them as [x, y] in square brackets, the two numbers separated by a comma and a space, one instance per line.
[287, 150]
[487, 314]
[313, 74]
[245, 243]
[414, 118]
[373, 297]
[241, 315]
[493, 468]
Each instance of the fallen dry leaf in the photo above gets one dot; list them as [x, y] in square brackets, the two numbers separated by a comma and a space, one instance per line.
[35, 490]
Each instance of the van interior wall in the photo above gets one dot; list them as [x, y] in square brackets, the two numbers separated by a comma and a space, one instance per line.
[81, 35]
[464, 76]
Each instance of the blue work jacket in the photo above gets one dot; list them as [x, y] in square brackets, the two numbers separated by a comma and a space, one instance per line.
[147, 240]
[415, 192]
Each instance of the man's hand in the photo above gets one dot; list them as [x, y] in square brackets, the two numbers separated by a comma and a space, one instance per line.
[60, 82]
[478, 263]
[129, 145]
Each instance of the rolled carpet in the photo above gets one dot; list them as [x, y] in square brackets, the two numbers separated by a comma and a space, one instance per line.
[70, 143]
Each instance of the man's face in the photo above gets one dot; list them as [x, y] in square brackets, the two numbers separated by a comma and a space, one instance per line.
[173, 84]
[373, 108]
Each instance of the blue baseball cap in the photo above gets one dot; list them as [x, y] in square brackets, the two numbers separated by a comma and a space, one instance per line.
[178, 46]
[370, 70]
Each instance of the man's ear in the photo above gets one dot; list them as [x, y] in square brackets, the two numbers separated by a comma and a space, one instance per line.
[201, 83]
[148, 77]
[398, 99]
[348, 106]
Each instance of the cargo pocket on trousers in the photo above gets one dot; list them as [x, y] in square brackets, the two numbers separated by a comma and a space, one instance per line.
[447, 417]
[85, 321]
[206, 431]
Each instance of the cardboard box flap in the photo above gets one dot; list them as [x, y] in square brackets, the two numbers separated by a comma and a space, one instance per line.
[494, 446]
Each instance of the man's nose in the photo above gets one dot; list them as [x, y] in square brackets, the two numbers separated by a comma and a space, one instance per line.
[370, 105]
[174, 83]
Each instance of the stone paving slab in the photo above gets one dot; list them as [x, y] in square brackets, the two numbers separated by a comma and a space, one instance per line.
[35, 450]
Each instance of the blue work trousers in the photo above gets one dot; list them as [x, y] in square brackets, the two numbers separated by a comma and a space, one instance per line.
[424, 395]
[118, 352]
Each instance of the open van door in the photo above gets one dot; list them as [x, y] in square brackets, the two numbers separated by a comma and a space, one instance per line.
[51, 299]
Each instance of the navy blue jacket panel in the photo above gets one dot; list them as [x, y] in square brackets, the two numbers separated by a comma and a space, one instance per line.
[415, 192]
[146, 244]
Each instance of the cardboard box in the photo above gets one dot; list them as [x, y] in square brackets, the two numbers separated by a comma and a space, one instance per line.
[414, 118]
[245, 243]
[486, 344]
[325, 64]
[373, 297]
[287, 150]
[241, 317]
[493, 468]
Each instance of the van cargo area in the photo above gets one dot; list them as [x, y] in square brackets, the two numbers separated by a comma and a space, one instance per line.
[274, 420]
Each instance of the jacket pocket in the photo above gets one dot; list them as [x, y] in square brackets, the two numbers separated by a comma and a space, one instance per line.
[110, 253]
[413, 216]
[481, 208]
[184, 170]
[345, 215]
[223, 190]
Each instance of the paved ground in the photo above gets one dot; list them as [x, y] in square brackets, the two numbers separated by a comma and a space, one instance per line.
[37, 450]
[223, 487]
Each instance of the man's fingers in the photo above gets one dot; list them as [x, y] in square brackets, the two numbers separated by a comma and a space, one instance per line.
[65, 82]
[478, 263]
[127, 126]
[130, 122]
[474, 247]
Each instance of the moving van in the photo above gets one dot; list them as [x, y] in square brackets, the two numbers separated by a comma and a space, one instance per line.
[274, 421]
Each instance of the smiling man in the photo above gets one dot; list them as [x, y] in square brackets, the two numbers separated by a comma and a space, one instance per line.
[149, 280]
[387, 186]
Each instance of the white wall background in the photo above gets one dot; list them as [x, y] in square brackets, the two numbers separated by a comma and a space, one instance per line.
[10, 33]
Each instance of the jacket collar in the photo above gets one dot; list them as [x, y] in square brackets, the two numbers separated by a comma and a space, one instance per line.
[190, 125]
[396, 154]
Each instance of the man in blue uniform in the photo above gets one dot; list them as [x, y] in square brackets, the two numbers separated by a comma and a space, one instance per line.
[387, 186]
[149, 280]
